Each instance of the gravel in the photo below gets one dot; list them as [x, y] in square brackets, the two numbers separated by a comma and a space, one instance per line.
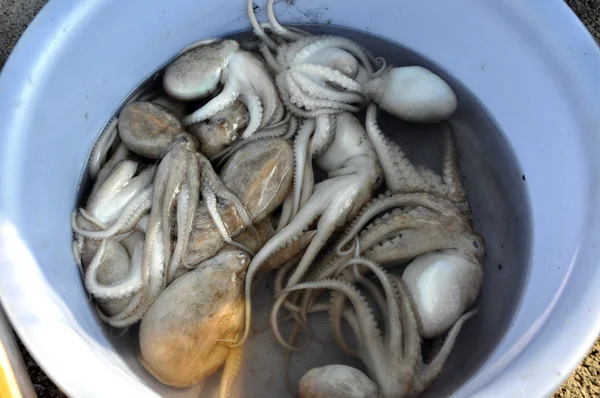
[15, 15]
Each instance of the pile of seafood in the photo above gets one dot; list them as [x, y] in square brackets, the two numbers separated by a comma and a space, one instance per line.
[264, 158]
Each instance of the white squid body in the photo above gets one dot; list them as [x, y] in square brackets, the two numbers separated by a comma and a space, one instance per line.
[337, 381]
[413, 93]
[443, 285]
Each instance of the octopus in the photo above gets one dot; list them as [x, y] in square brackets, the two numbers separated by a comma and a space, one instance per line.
[182, 174]
[402, 176]
[111, 260]
[326, 74]
[393, 358]
[213, 181]
[353, 171]
[262, 190]
[179, 336]
[426, 222]
[197, 72]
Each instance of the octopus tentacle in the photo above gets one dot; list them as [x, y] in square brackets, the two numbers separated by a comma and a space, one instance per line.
[257, 28]
[371, 287]
[292, 108]
[300, 154]
[337, 303]
[324, 134]
[275, 325]
[299, 224]
[295, 29]
[387, 305]
[279, 112]
[127, 221]
[286, 52]
[124, 288]
[325, 227]
[410, 324]
[77, 249]
[118, 191]
[339, 42]
[285, 121]
[153, 272]
[386, 202]
[290, 304]
[301, 99]
[450, 171]
[252, 77]
[400, 174]
[344, 171]
[127, 316]
[289, 251]
[327, 268]
[210, 199]
[336, 309]
[91, 219]
[432, 182]
[255, 108]
[426, 373]
[121, 153]
[155, 267]
[187, 203]
[102, 146]
[277, 27]
[190, 203]
[153, 278]
[393, 330]
[286, 211]
[330, 75]
[319, 91]
[226, 98]
[174, 182]
[301, 318]
[383, 67]
[233, 363]
[223, 191]
[350, 317]
[370, 333]
[269, 57]
[178, 252]
[308, 182]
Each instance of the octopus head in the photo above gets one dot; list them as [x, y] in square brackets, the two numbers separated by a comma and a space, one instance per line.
[413, 93]
[197, 72]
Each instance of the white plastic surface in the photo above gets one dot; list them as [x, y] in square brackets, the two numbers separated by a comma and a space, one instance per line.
[531, 64]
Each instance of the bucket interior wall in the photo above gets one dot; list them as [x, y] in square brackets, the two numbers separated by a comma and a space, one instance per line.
[501, 214]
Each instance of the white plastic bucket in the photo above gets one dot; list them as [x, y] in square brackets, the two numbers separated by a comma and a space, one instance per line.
[532, 67]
